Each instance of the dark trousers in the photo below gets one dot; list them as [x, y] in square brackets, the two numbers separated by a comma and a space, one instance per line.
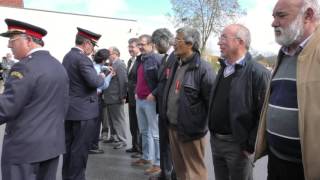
[229, 162]
[78, 141]
[96, 135]
[279, 169]
[134, 128]
[165, 154]
[44, 170]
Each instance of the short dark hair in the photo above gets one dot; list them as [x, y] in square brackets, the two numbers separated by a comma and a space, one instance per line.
[80, 40]
[101, 55]
[133, 40]
[147, 37]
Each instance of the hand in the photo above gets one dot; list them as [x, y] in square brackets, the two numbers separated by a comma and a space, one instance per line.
[246, 153]
[151, 97]
[102, 75]
[136, 96]
[113, 73]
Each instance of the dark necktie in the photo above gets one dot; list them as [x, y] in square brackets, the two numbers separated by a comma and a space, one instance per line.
[164, 59]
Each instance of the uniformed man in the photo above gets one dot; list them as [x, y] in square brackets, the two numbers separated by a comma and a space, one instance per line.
[84, 108]
[33, 105]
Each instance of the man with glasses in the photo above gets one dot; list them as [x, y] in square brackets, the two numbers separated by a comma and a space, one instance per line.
[185, 106]
[235, 104]
[147, 81]
[83, 111]
[115, 97]
[33, 106]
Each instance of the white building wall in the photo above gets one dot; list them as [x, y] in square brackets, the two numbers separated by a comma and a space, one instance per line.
[62, 29]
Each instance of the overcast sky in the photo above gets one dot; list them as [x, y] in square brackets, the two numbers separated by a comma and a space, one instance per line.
[152, 15]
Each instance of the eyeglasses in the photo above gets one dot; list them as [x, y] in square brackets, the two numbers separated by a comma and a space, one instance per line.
[17, 38]
[142, 44]
[224, 37]
[178, 40]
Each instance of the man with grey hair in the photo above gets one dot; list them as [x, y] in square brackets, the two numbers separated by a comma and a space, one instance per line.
[163, 40]
[115, 96]
[235, 104]
[289, 125]
[185, 106]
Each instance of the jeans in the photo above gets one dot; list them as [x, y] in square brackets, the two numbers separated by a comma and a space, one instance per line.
[148, 126]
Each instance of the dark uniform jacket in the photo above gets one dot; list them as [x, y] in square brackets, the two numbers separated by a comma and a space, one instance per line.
[84, 82]
[132, 81]
[193, 99]
[246, 97]
[117, 90]
[34, 105]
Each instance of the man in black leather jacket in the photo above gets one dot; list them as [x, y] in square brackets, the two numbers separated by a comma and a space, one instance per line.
[235, 104]
[185, 104]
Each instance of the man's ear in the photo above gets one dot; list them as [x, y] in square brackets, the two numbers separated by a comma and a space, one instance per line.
[309, 14]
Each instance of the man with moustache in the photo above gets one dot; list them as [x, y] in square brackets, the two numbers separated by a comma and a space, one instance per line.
[289, 125]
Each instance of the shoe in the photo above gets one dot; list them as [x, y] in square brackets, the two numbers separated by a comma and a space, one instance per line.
[108, 141]
[96, 151]
[131, 150]
[103, 138]
[136, 155]
[140, 162]
[120, 145]
[153, 170]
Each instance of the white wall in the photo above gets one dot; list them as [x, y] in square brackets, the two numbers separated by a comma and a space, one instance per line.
[61, 29]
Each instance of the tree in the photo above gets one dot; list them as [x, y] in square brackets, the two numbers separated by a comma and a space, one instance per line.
[208, 16]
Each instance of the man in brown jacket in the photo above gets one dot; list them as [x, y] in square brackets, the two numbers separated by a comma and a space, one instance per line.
[289, 124]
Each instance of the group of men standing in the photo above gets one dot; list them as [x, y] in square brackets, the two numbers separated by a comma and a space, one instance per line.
[174, 100]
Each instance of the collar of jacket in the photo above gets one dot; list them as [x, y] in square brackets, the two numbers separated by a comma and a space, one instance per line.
[146, 56]
[246, 60]
[194, 62]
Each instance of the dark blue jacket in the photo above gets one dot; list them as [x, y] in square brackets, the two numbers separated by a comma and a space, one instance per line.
[193, 100]
[246, 97]
[151, 63]
[84, 82]
[34, 104]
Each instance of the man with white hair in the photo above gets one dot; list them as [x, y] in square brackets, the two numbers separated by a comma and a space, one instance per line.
[235, 104]
[289, 124]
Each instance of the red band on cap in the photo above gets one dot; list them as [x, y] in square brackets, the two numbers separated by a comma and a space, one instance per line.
[26, 31]
[87, 36]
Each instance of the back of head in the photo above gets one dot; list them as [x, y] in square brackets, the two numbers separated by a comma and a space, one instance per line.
[101, 56]
[162, 38]
[243, 33]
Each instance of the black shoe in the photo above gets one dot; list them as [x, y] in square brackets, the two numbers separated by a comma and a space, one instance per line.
[96, 151]
[108, 141]
[120, 145]
[131, 150]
